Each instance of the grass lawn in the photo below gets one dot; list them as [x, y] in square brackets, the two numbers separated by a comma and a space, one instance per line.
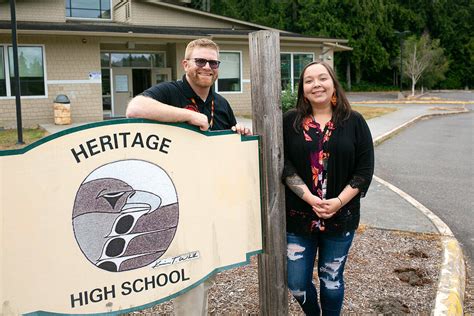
[9, 137]
[369, 112]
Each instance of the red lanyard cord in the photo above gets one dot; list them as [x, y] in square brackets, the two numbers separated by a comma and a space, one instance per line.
[195, 108]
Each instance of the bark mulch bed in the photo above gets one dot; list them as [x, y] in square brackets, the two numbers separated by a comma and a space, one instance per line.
[388, 272]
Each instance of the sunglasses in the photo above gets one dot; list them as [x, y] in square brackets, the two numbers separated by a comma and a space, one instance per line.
[201, 62]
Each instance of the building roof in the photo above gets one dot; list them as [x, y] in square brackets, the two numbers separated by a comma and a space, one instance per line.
[86, 28]
[237, 32]
[210, 15]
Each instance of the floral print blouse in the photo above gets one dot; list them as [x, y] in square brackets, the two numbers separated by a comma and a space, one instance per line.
[318, 157]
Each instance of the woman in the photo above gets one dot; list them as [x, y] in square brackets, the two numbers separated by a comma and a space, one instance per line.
[329, 163]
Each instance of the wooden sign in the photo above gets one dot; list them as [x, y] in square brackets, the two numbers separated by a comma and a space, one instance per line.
[118, 216]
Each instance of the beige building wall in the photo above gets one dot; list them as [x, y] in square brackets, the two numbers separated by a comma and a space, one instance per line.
[35, 10]
[120, 10]
[150, 14]
[142, 48]
[68, 63]
[240, 101]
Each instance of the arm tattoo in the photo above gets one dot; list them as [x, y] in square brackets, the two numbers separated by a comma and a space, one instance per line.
[294, 182]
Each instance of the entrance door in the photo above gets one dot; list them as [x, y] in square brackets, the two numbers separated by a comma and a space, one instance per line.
[123, 90]
[129, 82]
[160, 75]
[141, 80]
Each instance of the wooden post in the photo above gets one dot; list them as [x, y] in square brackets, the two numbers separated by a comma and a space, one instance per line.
[265, 79]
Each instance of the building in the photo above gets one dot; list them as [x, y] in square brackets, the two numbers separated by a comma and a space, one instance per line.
[101, 53]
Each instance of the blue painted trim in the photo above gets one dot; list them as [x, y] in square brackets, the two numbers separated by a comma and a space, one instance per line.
[149, 305]
[71, 130]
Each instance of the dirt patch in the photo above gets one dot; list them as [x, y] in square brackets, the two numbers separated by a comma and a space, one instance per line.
[415, 253]
[412, 276]
[391, 306]
[447, 108]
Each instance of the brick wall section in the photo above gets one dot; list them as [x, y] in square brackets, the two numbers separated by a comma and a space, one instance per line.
[35, 10]
[84, 100]
[67, 58]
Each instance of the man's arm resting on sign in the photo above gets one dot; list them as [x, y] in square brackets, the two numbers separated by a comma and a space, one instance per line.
[148, 108]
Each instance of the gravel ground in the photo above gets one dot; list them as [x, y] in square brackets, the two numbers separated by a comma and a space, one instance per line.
[380, 268]
[469, 292]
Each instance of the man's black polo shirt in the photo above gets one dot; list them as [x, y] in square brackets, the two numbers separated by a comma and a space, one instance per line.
[180, 94]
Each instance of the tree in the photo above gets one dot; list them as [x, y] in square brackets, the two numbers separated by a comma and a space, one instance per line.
[422, 56]
[369, 26]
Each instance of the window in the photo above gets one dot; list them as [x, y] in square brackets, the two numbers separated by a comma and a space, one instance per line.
[106, 87]
[285, 60]
[105, 60]
[230, 74]
[135, 60]
[88, 9]
[291, 66]
[3, 81]
[31, 68]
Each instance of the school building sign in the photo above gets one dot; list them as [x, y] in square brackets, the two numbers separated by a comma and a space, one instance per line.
[118, 216]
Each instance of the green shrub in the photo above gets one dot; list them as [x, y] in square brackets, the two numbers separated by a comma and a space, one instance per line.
[288, 98]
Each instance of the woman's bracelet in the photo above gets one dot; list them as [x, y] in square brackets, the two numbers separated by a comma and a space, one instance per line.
[339, 200]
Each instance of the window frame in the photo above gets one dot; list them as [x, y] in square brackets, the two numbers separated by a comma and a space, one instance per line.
[111, 68]
[216, 85]
[90, 19]
[9, 96]
[7, 79]
[292, 65]
[154, 52]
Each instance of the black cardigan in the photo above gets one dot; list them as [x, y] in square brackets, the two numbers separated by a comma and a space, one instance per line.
[351, 161]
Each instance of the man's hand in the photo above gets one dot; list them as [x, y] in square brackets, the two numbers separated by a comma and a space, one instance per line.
[242, 130]
[199, 120]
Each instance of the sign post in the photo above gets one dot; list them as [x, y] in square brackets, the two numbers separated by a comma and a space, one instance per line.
[267, 121]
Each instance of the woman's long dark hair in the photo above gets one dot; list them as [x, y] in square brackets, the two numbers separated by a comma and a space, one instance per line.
[341, 111]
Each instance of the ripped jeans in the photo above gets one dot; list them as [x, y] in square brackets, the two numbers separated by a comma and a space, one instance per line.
[301, 252]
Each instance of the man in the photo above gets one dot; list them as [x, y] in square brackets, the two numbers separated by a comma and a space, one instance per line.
[171, 101]
[191, 100]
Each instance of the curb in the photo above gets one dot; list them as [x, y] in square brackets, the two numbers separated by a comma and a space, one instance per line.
[413, 102]
[452, 276]
[377, 141]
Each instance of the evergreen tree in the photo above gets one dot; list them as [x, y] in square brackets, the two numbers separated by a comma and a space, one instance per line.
[369, 25]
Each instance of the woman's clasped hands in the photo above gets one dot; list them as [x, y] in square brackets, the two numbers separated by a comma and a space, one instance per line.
[325, 208]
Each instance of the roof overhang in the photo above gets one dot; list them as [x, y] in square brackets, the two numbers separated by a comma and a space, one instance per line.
[338, 47]
[134, 32]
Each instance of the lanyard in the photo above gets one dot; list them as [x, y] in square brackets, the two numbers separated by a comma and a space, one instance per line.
[196, 109]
